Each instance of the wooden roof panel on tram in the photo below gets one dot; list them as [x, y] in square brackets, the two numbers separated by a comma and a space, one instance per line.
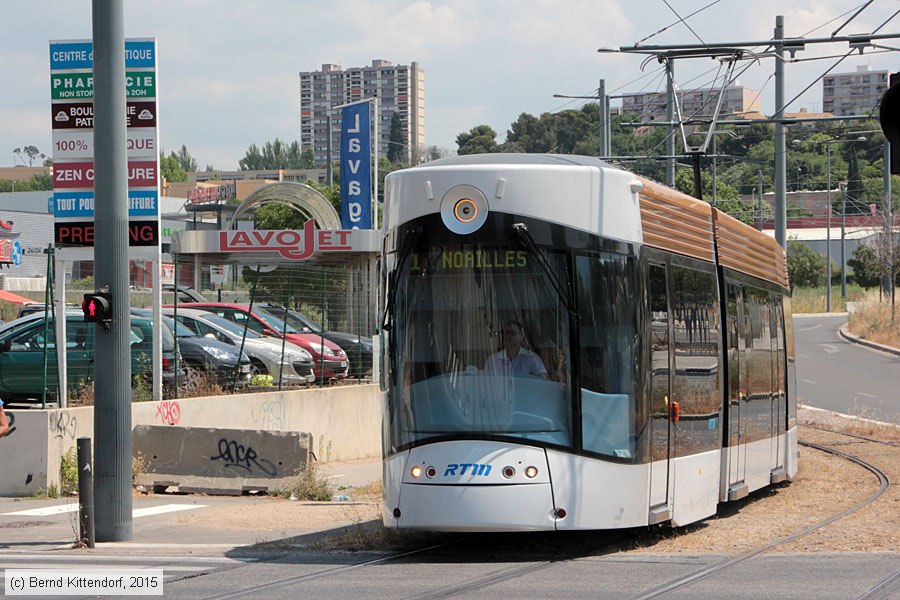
[676, 222]
[679, 223]
[745, 249]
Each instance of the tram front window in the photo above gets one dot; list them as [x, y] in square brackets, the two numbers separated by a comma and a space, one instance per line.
[481, 343]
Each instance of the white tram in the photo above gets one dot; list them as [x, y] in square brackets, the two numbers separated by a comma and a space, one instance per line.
[569, 346]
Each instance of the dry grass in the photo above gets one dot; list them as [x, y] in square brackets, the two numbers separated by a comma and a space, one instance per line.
[871, 320]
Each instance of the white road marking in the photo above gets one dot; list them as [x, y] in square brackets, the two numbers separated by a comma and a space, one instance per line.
[807, 381]
[165, 508]
[46, 511]
[830, 348]
[72, 507]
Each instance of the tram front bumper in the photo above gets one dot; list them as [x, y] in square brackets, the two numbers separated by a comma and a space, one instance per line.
[476, 507]
[470, 485]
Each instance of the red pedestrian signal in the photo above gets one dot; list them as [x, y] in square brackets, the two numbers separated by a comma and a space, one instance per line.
[97, 307]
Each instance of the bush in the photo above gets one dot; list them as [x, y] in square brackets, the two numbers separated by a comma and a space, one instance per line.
[805, 267]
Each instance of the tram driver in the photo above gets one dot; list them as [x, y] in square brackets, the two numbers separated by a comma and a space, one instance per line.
[515, 358]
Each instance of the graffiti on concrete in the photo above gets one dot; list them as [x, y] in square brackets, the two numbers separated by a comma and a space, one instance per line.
[269, 415]
[169, 412]
[62, 424]
[245, 457]
[11, 417]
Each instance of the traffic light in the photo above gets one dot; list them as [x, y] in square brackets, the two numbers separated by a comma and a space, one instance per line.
[97, 307]
[889, 115]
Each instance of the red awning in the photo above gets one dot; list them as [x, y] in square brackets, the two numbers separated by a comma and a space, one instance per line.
[15, 298]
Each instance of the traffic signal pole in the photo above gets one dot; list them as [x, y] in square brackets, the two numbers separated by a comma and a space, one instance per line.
[112, 357]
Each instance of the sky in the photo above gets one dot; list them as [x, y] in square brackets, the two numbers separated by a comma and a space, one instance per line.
[228, 70]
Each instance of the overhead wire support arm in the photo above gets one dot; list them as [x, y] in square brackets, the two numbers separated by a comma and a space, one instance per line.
[786, 43]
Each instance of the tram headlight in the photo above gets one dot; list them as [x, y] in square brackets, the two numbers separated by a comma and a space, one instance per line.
[416, 472]
[531, 472]
[509, 472]
[464, 209]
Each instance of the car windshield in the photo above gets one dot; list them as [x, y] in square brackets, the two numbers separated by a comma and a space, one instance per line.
[274, 322]
[229, 326]
[182, 331]
[295, 318]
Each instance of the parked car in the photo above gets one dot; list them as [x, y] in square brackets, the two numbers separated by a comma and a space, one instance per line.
[22, 354]
[35, 307]
[185, 294]
[264, 352]
[357, 347]
[329, 361]
[201, 356]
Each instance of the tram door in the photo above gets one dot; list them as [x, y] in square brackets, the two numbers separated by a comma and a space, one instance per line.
[738, 325]
[779, 410]
[662, 429]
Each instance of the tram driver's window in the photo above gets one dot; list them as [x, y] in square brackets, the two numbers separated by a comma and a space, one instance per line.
[607, 307]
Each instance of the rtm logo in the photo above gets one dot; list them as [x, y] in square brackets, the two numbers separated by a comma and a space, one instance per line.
[477, 470]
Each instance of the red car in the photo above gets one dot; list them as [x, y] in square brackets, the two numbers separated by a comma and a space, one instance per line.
[329, 362]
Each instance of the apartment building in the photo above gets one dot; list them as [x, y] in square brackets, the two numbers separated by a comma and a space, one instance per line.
[697, 103]
[400, 89]
[856, 93]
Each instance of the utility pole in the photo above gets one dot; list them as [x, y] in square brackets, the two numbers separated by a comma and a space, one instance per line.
[329, 168]
[112, 366]
[603, 118]
[780, 203]
[670, 117]
[887, 282]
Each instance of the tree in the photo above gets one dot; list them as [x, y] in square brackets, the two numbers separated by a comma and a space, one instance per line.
[170, 168]
[479, 140]
[30, 152]
[185, 160]
[275, 155]
[866, 270]
[307, 159]
[805, 267]
[396, 144]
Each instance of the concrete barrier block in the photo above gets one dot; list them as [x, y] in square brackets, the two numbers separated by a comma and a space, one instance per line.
[218, 461]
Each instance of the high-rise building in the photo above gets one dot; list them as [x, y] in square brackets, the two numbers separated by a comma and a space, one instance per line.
[693, 103]
[400, 90]
[853, 93]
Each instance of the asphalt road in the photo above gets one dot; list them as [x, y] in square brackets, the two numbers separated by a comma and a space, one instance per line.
[841, 376]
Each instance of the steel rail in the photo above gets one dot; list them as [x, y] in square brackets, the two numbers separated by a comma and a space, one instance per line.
[684, 582]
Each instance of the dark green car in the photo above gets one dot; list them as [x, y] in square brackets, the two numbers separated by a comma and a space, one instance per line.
[22, 355]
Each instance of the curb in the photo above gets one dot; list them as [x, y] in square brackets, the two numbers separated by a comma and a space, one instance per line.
[857, 340]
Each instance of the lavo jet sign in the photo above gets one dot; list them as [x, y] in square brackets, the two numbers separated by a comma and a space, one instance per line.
[356, 173]
[290, 244]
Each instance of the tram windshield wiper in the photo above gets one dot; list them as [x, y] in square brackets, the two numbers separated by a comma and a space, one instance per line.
[412, 236]
[524, 237]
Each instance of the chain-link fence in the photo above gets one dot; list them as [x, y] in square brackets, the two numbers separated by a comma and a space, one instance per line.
[239, 328]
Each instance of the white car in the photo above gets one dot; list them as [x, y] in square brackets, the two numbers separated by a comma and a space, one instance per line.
[264, 353]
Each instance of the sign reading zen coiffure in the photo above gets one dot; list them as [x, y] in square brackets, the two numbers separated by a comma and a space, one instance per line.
[72, 120]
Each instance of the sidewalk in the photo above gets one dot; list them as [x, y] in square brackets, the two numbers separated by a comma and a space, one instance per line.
[196, 524]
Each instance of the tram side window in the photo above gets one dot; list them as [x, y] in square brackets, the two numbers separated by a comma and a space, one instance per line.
[607, 306]
[777, 332]
[758, 420]
[695, 307]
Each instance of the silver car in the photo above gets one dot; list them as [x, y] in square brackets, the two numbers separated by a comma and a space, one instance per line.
[264, 353]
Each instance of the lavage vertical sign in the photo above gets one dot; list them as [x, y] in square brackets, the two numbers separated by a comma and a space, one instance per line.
[356, 170]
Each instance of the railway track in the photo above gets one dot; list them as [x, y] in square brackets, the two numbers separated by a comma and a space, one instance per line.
[883, 484]
[882, 589]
